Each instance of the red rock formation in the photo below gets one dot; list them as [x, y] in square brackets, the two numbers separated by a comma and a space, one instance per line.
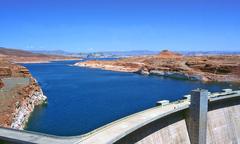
[22, 96]
[5, 72]
[169, 54]
[205, 68]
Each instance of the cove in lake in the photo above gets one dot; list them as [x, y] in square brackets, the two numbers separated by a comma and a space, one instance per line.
[83, 99]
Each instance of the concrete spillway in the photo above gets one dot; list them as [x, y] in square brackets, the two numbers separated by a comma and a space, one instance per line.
[162, 124]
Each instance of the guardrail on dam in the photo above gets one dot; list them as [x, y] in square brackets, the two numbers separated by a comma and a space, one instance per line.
[177, 122]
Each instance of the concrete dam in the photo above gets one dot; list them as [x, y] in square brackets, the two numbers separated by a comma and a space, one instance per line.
[199, 118]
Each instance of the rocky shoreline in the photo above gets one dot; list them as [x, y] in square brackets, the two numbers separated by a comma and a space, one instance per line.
[222, 68]
[141, 71]
[106, 66]
[19, 94]
[176, 75]
[24, 110]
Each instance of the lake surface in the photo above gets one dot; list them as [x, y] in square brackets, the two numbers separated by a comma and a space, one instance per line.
[83, 99]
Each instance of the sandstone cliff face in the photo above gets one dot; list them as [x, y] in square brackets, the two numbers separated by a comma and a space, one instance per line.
[5, 72]
[19, 94]
[204, 68]
[23, 109]
[8, 69]
[168, 54]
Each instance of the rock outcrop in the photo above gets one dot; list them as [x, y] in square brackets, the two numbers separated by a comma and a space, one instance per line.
[169, 54]
[26, 106]
[19, 94]
[170, 64]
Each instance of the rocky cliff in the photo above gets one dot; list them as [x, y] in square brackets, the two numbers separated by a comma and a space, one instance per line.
[19, 94]
[24, 108]
[204, 68]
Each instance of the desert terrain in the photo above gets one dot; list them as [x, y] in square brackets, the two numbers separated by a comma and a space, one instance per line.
[222, 68]
[21, 56]
[19, 93]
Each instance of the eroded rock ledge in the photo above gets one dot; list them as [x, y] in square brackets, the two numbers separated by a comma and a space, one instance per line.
[221, 68]
[19, 94]
[26, 106]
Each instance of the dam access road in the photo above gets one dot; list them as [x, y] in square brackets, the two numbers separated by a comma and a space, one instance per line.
[162, 124]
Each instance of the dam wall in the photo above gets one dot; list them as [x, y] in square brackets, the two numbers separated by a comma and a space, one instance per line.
[223, 126]
[171, 128]
[224, 122]
[166, 124]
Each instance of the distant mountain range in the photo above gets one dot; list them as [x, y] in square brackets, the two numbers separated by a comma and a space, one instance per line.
[106, 54]
[16, 52]
[121, 54]
[200, 53]
[53, 52]
[22, 56]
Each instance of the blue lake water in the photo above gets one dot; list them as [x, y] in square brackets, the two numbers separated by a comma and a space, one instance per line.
[83, 99]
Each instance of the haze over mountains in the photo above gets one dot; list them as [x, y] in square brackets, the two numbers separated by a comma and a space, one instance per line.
[22, 56]
[103, 54]
[119, 54]
[45, 55]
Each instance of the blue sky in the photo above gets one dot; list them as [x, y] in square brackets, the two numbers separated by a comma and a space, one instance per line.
[119, 25]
